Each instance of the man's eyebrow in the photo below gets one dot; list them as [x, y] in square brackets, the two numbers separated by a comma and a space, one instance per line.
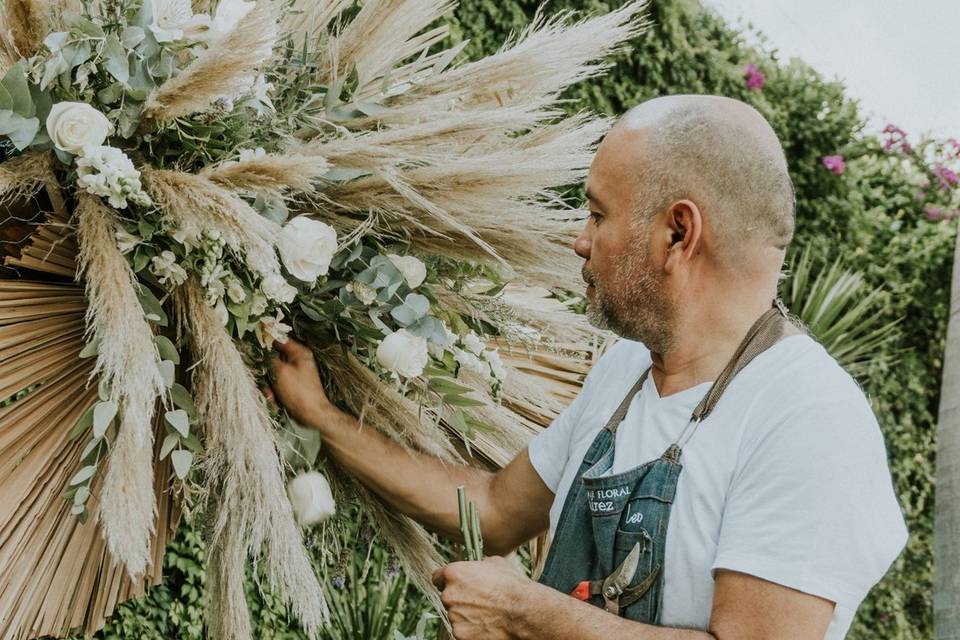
[592, 197]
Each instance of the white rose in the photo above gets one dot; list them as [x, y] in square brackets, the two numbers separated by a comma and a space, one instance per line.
[235, 291]
[174, 19]
[413, 270]
[75, 125]
[403, 353]
[307, 247]
[470, 362]
[497, 368]
[473, 343]
[311, 498]
[275, 287]
[228, 14]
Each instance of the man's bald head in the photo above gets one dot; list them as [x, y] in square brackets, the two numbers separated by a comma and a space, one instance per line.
[721, 154]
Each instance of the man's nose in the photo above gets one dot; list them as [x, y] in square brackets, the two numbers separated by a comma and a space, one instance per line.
[582, 245]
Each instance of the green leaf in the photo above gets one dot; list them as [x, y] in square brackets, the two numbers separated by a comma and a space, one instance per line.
[193, 444]
[91, 349]
[458, 400]
[84, 423]
[404, 315]
[111, 93]
[140, 260]
[132, 36]
[152, 307]
[179, 420]
[91, 447]
[80, 496]
[171, 441]
[183, 399]
[103, 415]
[181, 463]
[15, 82]
[83, 475]
[20, 130]
[85, 26]
[345, 174]
[418, 303]
[104, 389]
[115, 59]
[447, 386]
[168, 351]
[55, 40]
[6, 100]
[168, 372]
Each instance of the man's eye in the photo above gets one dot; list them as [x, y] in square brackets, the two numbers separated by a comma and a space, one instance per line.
[597, 217]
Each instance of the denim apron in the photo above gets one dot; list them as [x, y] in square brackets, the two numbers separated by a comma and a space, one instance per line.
[605, 516]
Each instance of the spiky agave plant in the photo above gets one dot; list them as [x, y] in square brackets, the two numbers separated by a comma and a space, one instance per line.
[216, 179]
[839, 309]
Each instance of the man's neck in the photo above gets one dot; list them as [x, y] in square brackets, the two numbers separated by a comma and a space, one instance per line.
[704, 345]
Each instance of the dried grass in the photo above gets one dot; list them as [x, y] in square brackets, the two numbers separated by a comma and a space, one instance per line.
[127, 361]
[273, 174]
[309, 19]
[217, 72]
[24, 175]
[250, 512]
[27, 24]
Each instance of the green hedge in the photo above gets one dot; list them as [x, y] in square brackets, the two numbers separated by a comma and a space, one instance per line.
[869, 215]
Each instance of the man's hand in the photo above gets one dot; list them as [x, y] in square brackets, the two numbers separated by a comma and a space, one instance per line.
[297, 384]
[478, 597]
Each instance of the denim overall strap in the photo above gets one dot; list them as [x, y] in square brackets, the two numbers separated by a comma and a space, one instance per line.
[606, 516]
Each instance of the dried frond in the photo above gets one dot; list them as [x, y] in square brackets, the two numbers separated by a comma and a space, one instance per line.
[382, 34]
[27, 24]
[547, 57]
[24, 175]
[250, 510]
[127, 360]
[274, 173]
[217, 72]
[196, 203]
[308, 19]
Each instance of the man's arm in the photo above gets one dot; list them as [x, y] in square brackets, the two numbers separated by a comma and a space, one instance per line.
[513, 503]
[490, 600]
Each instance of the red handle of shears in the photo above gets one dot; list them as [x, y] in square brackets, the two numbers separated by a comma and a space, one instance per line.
[582, 591]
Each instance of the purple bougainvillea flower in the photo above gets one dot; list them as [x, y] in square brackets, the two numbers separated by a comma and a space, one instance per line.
[948, 177]
[754, 77]
[933, 213]
[834, 164]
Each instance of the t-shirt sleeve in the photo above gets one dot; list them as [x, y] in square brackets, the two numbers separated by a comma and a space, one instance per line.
[550, 449]
[811, 504]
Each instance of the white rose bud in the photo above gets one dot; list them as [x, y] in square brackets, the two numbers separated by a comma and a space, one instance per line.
[311, 498]
[307, 247]
[403, 354]
[276, 288]
[413, 270]
[75, 125]
[473, 343]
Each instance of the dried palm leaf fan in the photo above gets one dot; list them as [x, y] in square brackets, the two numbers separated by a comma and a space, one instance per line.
[271, 161]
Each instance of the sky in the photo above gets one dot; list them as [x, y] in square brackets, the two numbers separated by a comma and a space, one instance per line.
[898, 57]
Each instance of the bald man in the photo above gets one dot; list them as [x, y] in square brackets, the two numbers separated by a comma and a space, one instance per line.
[719, 475]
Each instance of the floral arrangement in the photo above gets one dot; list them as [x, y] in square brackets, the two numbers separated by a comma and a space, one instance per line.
[240, 172]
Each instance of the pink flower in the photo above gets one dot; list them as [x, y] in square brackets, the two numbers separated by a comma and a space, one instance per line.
[933, 214]
[953, 142]
[834, 164]
[896, 137]
[754, 77]
[948, 178]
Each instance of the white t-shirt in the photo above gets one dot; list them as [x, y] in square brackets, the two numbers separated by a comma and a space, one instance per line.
[786, 480]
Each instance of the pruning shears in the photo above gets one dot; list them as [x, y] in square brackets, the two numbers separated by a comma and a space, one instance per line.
[615, 588]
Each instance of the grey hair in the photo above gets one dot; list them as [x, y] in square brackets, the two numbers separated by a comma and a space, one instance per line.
[725, 157]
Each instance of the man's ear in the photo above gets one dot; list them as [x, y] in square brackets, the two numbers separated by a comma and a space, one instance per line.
[686, 230]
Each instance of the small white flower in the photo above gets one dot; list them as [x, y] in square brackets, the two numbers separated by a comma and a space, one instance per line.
[271, 329]
[307, 247]
[311, 498]
[403, 354]
[126, 241]
[413, 270]
[261, 91]
[362, 292]
[258, 306]
[107, 172]
[470, 362]
[473, 343]
[252, 154]
[174, 20]
[165, 267]
[235, 291]
[276, 288]
[437, 349]
[75, 125]
[497, 368]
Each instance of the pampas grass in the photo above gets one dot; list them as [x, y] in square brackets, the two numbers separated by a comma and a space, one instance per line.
[127, 361]
[273, 173]
[249, 508]
[220, 70]
[27, 24]
[24, 175]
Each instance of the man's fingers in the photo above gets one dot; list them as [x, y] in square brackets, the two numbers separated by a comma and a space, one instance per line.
[438, 579]
[291, 349]
[269, 395]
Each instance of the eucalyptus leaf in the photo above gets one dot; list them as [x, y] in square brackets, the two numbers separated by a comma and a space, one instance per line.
[193, 444]
[115, 59]
[15, 82]
[404, 315]
[83, 475]
[54, 66]
[167, 371]
[171, 441]
[104, 389]
[152, 307]
[80, 496]
[458, 400]
[91, 349]
[92, 446]
[179, 420]
[345, 174]
[418, 303]
[183, 399]
[55, 40]
[168, 351]
[6, 100]
[132, 36]
[84, 423]
[181, 463]
[111, 93]
[78, 510]
[85, 26]
[103, 415]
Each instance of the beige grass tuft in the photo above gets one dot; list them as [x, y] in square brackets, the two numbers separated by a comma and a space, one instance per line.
[274, 174]
[127, 361]
[24, 175]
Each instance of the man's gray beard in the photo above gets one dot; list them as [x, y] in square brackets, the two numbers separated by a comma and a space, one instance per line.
[644, 314]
